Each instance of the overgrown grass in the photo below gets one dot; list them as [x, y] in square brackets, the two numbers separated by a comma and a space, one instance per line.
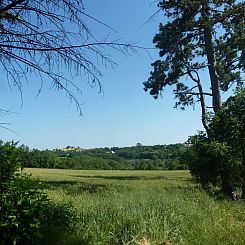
[136, 207]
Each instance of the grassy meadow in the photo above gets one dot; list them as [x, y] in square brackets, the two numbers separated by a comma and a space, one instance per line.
[143, 207]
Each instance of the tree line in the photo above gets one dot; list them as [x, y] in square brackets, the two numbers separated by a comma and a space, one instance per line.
[135, 157]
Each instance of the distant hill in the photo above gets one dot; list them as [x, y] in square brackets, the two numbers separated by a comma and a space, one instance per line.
[134, 157]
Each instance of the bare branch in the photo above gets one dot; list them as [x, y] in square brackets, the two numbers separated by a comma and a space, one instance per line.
[36, 37]
[201, 95]
[11, 5]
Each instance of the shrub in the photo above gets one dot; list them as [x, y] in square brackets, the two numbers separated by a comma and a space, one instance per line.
[8, 164]
[27, 216]
[219, 157]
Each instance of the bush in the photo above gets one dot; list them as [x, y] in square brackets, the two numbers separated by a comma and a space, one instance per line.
[213, 164]
[8, 164]
[27, 216]
[217, 159]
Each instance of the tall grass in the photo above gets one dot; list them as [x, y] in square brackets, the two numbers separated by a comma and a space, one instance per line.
[143, 207]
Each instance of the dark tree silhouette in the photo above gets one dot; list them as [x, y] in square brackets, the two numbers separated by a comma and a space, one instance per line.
[47, 37]
[199, 35]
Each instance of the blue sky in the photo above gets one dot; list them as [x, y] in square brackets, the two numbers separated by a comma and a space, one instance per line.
[123, 114]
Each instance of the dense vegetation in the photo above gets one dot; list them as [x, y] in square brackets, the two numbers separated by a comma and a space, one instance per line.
[27, 216]
[218, 158]
[137, 157]
[143, 207]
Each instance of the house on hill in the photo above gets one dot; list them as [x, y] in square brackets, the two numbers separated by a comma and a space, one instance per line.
[71, 148]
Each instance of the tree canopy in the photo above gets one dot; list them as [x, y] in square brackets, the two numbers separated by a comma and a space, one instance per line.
[199, 36]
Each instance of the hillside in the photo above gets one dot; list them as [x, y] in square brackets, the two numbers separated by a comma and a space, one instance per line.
[137, 157]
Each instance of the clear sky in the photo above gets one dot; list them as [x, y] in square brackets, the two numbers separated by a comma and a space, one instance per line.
[123, 114]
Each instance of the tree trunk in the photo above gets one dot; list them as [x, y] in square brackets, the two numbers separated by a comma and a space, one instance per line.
[202, 100]
[243, 170]
[203, 108]
[243, 190]
[208, 42]
[227, 188]
[242, 141]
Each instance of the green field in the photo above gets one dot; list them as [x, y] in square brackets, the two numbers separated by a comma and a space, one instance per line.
[143, 207]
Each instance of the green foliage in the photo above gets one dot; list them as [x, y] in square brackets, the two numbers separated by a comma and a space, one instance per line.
[219, 159]
[26, 214]
[135, 157]
[184, 47]
[8, 163]
[212, 163]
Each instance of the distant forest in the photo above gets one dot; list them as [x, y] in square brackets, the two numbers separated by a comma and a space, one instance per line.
[139, 157]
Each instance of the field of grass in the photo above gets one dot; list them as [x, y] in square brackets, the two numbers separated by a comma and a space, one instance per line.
[143, 207]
